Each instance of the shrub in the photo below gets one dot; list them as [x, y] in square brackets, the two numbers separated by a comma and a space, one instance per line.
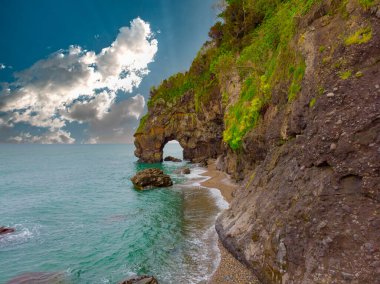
[345, 74]
[363, 35]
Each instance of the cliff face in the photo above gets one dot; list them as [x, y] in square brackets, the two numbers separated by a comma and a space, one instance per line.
[199, 133]
[307, 210]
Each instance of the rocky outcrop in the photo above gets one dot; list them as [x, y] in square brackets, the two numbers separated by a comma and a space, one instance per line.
[198, 132]
[172, 159]
[140, 280]
[307, 210]
[151, 178]
[6, 230]
[185, 171]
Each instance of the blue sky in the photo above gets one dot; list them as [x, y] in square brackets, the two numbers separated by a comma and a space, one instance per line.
[80, 71]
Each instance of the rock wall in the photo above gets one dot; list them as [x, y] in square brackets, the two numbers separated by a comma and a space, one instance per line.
[308, 208]
[198, 132]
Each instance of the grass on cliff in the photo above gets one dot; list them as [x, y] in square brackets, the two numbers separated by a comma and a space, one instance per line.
[272, 60]
[142, 123]
[362, 35]
[257, 40]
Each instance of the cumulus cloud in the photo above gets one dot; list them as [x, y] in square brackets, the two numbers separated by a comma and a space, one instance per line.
[57, 137]
[78, 85]
[116, 125]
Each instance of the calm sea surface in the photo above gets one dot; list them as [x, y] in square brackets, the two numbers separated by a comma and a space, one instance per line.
[76, 213]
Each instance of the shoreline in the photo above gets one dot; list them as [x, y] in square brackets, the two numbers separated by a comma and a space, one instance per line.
[229, 270]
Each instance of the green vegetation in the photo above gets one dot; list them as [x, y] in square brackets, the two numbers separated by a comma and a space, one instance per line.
[368, 3]
[255, 40]
[326, 60]
[199, 80]
[312, 102]
[269, 57]
[142, 123]
[345, 75]
[363, 35]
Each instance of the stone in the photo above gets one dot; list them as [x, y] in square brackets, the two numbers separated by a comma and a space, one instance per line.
[333, 146]
[172, 159]
[6, 230]
[322, 225]
[203, 163]
[185, 171]
[347, 276]
[220, 163]
[151, 178]
[281, 253]
[377, 86]
[330, 95]
[143, 279]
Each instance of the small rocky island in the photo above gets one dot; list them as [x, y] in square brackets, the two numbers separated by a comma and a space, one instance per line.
[172, 159]
[151, 178]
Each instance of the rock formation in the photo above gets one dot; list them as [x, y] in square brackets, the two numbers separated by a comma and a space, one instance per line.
[150, 178]
[185, 171]
[200, 135]
[6, 230]
[172, 159]
[307, 210]
[140, 280]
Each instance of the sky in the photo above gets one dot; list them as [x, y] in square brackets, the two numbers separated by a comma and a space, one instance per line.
[80, 71]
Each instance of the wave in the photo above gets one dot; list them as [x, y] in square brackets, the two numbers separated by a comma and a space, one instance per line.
[210, 236]
[23, 233]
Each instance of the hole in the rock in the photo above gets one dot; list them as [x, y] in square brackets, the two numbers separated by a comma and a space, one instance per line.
[173, 149]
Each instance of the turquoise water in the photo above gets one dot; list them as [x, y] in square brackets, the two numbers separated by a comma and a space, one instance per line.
[75, 211]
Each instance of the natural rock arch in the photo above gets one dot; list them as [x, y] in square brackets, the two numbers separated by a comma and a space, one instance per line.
[198, 132]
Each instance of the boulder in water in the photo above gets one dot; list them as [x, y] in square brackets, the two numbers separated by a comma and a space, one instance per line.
[144, 279]
[172, 159]
[185, 171]
[6, 230]
[151, 178]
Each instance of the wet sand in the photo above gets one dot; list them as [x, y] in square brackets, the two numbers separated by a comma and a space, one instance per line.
[230, 270]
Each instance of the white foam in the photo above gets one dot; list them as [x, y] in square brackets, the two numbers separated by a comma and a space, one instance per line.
[20, 236]
[196, 178]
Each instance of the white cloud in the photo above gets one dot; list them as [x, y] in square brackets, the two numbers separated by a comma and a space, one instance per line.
[77, 84]
[89, 110]
[116, 125]
[60, 136]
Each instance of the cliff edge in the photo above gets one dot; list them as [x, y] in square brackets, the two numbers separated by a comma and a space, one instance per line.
[287, 96]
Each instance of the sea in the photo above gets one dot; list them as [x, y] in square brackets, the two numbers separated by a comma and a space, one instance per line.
[77, 215]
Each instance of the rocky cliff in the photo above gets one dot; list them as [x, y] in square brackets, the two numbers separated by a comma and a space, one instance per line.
[199, 133]
[307, 210]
